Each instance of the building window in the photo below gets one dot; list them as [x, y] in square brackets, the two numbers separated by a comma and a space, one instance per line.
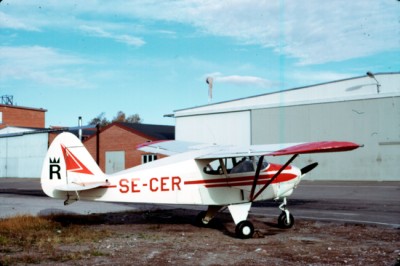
[1, 117]
[146, 158]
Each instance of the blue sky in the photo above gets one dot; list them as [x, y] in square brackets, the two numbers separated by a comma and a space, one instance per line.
[83, 58]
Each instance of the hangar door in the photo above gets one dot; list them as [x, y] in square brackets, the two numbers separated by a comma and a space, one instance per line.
[23, 156]
[115, 161]
[222, 128]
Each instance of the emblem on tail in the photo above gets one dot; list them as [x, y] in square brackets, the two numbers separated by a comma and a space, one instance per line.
[54, 168]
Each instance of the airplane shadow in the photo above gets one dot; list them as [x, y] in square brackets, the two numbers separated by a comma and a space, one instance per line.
[291, 202]
[222, 222]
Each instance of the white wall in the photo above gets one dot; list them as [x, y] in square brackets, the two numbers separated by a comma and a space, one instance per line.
[23, 156]
[226, 128]
[375, 123]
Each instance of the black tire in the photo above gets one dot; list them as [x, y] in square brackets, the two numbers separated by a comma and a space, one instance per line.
[199, 219]
[282, 221]
[244, 230]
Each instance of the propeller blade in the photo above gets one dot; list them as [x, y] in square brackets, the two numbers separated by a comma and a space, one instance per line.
[308, 168]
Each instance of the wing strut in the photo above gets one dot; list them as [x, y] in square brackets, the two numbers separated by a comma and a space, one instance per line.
[257, 175]
[271, 180]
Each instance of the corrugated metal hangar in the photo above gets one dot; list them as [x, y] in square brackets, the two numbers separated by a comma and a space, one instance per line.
[22, 156]
[363, 109]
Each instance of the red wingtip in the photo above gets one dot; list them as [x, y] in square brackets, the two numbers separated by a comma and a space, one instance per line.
[317, 147]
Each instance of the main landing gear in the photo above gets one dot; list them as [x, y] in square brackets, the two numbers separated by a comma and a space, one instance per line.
[244, 228]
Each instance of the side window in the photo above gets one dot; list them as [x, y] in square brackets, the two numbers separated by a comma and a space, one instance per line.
[247, 165]
[213, 168]
[146, 158]
[235, 165]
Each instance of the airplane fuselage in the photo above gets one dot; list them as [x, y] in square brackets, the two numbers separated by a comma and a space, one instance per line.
[185, 181]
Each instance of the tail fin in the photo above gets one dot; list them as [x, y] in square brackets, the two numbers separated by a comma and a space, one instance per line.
[68, 166]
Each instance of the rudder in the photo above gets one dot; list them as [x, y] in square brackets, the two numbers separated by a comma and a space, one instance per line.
[68, 166]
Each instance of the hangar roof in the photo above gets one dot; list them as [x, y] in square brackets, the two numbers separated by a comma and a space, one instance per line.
[156, 132]
[159, 132]
[363, 87]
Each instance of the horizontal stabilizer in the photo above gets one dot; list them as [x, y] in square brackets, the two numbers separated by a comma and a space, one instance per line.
[75, 186]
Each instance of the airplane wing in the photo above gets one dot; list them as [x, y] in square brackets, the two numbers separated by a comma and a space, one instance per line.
[213, 151]
[171, 147]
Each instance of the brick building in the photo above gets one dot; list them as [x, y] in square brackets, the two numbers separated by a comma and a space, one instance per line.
[19, 116]
[23, 156]
[118, 143]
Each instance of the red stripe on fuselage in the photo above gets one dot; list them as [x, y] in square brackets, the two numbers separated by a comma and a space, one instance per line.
[247, 180]
[242, 181]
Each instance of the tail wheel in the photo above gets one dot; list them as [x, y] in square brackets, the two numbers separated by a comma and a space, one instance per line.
[244, 230]
[200, 219]
[283, 221]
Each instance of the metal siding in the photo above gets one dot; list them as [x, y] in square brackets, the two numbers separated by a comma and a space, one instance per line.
[372, 122]
[341, 90]
[23, 156]
[225, 128]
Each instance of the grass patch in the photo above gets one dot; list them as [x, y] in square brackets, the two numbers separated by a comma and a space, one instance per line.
[32, 239]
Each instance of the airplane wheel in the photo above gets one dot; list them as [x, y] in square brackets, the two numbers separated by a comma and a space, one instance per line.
[199, 219]
[282, 221]
[244, 230]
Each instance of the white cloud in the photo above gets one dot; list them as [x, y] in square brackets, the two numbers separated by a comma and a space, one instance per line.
[42, 65]
[240, 80]
[12, 22]
[123, 38]
[244, 80]
[308, 31]
[37, 56]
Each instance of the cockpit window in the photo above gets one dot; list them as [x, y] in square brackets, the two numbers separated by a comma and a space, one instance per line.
[234, 165]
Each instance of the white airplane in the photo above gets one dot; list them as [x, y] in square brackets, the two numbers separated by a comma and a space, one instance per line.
[212, 175]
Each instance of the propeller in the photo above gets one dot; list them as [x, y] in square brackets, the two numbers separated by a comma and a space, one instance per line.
[308, 168]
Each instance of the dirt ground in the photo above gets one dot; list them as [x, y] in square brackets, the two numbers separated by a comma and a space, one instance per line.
[164, 237]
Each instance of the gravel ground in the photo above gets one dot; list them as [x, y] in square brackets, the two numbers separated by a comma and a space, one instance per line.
[169, 237]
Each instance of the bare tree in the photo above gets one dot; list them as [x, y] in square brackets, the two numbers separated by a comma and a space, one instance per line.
[134, 119]
[120, 117]
[100, 120]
